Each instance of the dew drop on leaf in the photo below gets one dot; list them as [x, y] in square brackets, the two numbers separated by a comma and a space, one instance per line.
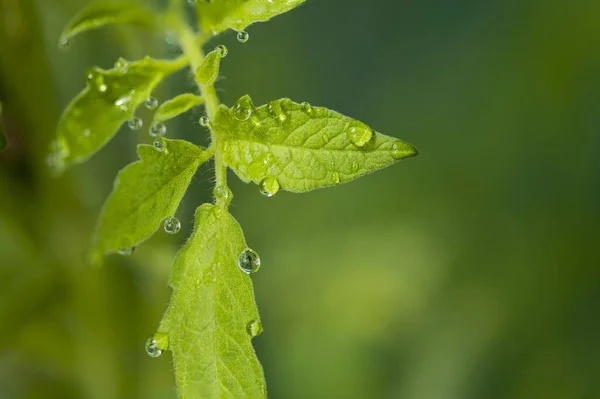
[157, 344]
[269, 186]
[121, 65]
[223, 193]
[249, 261]
[204, 121]
[160, 144]
[306, 107]
[243, 108]
[222, 50]
[243, 36]
[158, 129]
[336, 178]
[254, 328]
[64, 43]
[151, 103]
[172, 225]
[135, 123]
[359, 133]
[96, 80]
[397, 153]
[126, 251]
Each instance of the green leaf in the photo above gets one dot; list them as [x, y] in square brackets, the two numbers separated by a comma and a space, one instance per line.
[102, 13]
[176, 106]
[145, 193]
[208, 71]
[213, 316]
[219, 15]
[301, 146]
[110, 98]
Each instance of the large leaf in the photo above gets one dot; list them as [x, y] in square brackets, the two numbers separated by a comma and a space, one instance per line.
[102, 13]
[213, 316]
[219, 15]
[146, 193]
[299, 147]
[109, 99]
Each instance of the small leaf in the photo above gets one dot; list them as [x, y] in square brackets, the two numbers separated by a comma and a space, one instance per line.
[213, 315]
[301, 146]
[110, 99]
[102, 13]
[208, 71]
[176, 106]
[219, 15]
[146, 193]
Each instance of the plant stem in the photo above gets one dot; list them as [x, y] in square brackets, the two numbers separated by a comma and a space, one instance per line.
[192, 48]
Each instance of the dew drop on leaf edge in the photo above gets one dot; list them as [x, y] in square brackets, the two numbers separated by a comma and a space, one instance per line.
[243, 36]
[204, 121]
[160, 144]
[157, 344]
[254, 328]
[359, 134]
[269, 186]
[172, 225]
[126, 251]
[222, 49]
[121, 65]
[249, 261]
[243, 108]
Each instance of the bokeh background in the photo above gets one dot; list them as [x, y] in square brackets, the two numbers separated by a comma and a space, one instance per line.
[471, 271]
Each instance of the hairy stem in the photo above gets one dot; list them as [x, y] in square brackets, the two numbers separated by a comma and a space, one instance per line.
[192, 48]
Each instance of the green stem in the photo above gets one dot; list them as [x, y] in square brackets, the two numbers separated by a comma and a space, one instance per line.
[192, 48]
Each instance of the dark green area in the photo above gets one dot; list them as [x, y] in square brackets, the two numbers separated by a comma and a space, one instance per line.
[470, 271]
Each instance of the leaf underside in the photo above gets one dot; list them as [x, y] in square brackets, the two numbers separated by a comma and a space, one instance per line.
[210, 310]
[303, 147]
[219, 15]
[101, 13]
[145, 193]
[109, 99]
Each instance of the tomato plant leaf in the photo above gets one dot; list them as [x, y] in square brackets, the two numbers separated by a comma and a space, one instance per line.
[301, 146]
[219, 15]
[213, 315]
[176, 106]
[146, 193]
[109, 99]
[100, 13]
[208, 71]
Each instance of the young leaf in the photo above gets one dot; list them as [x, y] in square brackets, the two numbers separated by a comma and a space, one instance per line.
[176, 106]
[213, 316]
[146, 193]
[299, 147]
[209, 69]
[219, 15]
[109, 99]
[102, 13]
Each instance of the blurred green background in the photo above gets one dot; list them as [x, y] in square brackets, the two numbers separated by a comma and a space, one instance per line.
[471, 271]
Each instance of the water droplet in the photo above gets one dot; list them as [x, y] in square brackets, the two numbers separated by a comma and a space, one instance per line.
[135, 123]
[336, 178]
[204, 121]
[249, 261]
[269, 186]
[326, 138]
[191, 2]
[243, 108]
[172, 225]
[306, 107]
[158, 129]
[126, 251]
[222, 50]
[243, 36]
[96, 80]
[157, 344]
[397, 152]
[359, 133]
[254, 328]
[151, 103]
[275, 110]
[355, 166]
[64, 43]
[160, 144]
[223, 193]
[121, 65]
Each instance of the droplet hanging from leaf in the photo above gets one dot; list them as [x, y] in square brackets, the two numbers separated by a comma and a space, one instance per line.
[172, 225]
[249, 261]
